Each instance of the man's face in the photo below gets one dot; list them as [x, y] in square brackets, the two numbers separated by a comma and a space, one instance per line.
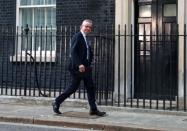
[86, 27]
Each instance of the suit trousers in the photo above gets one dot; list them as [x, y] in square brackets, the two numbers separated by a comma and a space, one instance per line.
[88, 83]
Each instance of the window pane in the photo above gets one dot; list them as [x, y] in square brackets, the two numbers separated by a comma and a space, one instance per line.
[51, 17]
[50, 1]
[39, 17]
[170, 10]
[53, 23]
[46, 40]
[25, 2]
[26, 42]
[54, 39]
[36, 41]
[51, 39]
[38, 2]
[26, 17]
[144, 28]
[145, 11]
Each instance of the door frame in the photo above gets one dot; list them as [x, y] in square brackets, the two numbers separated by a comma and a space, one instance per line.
[124, 14]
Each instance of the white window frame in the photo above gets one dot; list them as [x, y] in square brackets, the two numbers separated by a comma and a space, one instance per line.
[41, 56]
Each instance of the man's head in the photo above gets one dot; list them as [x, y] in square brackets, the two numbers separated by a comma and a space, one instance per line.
[86, 26]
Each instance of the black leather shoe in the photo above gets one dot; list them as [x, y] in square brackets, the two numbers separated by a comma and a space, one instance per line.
[97, 113]
[56, 108]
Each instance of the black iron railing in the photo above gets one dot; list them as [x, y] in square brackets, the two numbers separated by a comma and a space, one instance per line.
[139, 69]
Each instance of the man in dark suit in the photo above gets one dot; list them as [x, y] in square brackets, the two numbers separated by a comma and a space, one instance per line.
[80, 68]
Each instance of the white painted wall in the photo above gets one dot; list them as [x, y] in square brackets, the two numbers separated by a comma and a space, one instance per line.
[181, 21]
[124, 16]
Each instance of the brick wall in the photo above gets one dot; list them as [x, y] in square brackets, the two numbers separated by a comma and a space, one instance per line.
[7, 12]
[72, 12]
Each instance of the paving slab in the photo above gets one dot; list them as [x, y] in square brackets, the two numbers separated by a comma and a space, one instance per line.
[78, 117]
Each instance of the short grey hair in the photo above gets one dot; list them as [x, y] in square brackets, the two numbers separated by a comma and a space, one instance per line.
[87, 20]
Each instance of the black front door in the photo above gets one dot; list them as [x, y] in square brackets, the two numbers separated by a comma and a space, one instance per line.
[156, 49]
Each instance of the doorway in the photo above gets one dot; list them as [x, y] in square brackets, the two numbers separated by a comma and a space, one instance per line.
[156, 46]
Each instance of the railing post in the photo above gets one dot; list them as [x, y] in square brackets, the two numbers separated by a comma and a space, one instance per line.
[185, 68]
[26, 50]
[131, 66]
[125, 66]
[2, 62]
[119, 65]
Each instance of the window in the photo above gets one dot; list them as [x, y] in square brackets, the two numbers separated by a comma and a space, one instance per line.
[145, 11]
[170, 10]
[36, 28]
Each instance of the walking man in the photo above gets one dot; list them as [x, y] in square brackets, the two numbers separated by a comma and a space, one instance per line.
[80, 69]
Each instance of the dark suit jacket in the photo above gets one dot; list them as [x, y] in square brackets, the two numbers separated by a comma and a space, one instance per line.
[78, 53]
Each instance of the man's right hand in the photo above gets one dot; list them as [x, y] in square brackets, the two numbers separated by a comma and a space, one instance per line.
[81, 68]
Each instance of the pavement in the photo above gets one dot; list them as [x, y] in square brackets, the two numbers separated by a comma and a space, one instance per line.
[38, 111]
